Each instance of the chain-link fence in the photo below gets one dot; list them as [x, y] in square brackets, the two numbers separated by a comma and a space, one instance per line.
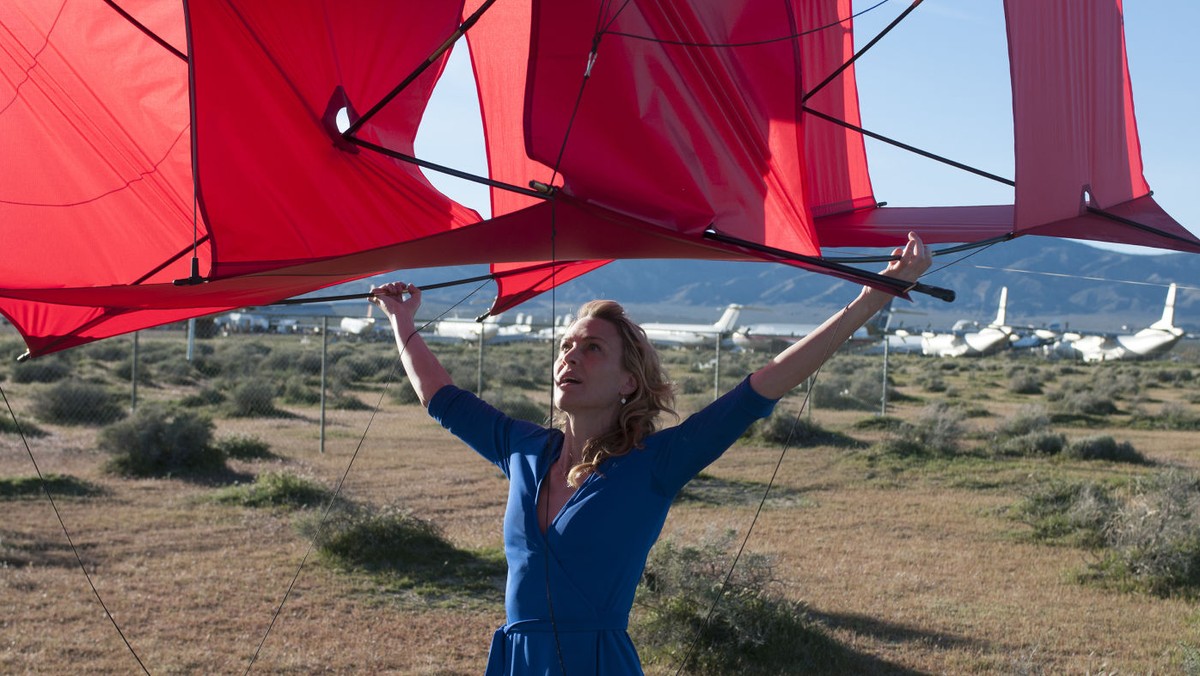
[251, 376]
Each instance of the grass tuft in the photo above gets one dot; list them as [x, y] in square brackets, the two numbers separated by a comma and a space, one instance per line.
[276, 489]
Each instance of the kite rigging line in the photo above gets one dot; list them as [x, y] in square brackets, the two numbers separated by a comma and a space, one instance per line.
[876, 279]
[338, 488]
[830, 348]
[350, 134]
[142, 27]
[750, 43]
[424, 287]
[1086, 277]
[78, 559]
[828, 352]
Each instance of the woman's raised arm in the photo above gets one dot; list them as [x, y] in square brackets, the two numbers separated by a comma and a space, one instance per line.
[800, 360]
[425, 372]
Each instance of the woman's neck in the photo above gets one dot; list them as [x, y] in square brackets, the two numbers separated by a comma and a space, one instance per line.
[579, 429]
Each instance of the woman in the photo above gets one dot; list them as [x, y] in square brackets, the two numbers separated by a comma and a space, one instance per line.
[588, 499]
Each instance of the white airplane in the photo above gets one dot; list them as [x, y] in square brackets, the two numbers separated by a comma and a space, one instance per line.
[359, 326]
[775, 337]
[692, 335]
[899, 341]
[517, 332]
[1154, 340]
[455, 329]
[962, 343]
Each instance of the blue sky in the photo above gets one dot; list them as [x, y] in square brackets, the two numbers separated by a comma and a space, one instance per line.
[940, 82]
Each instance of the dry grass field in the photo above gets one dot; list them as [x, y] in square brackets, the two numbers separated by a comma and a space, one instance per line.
[910, 567]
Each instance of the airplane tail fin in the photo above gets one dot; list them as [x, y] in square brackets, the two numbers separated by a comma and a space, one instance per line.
[1002, 313]
[1168, 316]
[727, 320]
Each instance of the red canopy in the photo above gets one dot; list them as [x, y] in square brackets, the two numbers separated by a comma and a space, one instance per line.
[689, 117]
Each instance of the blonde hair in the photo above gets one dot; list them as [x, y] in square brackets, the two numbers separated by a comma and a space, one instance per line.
[638, 416]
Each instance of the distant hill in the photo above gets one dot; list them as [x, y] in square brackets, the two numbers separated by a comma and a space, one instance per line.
[1049, 281]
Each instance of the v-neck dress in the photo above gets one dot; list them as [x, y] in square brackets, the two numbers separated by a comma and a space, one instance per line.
[570, 590]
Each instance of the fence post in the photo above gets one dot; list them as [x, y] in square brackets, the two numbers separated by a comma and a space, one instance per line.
[191, 338]
[479, 375]
[883, 397]
[717, 371]
[324, 357]
[133, 374]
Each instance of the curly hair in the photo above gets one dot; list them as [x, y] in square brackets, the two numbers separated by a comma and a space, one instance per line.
[639, 414]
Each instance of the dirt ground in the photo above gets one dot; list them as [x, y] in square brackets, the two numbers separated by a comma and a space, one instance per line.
[922, 572]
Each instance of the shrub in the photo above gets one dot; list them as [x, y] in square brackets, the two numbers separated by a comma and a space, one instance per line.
[1027, 419]
[296, 390]
[10, 426]
[1026, 433]
[106, 350]
[209, 396]
[1172, 416]
[1033, 443]
[1103, 447]
[58, 485]
[402, 392]
[1025, 383]
[1085, 402]
[176, 371]
[404, 551]
[243, 447]
[1148, 541]
[694, 385]
[518, 406]
[253, 398]
[236, 359]
[1075, 512]
[787, 428]
[124, 371]
[937, 431]
[276, 489]
[158, 441]
[43, 370]
[71, 402]
[1154, 540]
[751, 629]
[841, 392]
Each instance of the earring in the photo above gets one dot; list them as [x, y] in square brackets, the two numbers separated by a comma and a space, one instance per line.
[623, 400]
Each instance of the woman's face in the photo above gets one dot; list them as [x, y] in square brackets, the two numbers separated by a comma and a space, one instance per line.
[588, 373]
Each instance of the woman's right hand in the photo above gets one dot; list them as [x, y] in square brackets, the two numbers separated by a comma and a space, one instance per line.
[390, 298]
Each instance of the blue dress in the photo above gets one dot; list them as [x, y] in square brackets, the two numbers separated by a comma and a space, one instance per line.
[570, 590]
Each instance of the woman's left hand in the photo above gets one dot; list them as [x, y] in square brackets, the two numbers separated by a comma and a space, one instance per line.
[911, 261]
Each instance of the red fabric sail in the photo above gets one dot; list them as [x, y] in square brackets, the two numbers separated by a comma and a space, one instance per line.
[135, 145]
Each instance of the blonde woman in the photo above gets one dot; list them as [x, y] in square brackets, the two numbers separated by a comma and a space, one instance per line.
[588, 497]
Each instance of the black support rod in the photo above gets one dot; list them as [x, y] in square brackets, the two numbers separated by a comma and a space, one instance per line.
[899, 286]
[423, 287]
[437, 53]
[832, 76]
[913, 149]
[1140, 226]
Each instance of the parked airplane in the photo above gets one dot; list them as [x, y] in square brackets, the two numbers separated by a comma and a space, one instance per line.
[962, 343]
[360, 326]
[457, 329]
[517, 332]
[692, 335]
[775, 337]
[1154, 340]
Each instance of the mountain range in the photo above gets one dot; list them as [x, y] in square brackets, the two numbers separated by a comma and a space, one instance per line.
[1050, 281]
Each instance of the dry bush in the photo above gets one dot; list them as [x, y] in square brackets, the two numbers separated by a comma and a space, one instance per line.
[1154, 540]
[1103, 447]
[698, 613]
[159, 441]
[71, 402]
